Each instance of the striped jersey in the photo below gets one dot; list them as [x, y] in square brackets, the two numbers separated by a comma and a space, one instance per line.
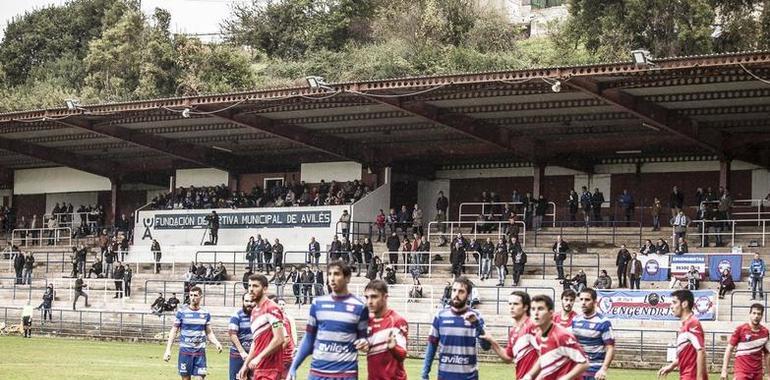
[559, 353]
[265, 318]
[689, 341]
[192, 330]
[457, 344]
[750, 348]
[594, 333]
[337, 322]
[240, 324]
[522, 347]
[384, 364]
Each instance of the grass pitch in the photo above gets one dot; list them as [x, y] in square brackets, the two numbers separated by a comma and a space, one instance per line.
[63, 358]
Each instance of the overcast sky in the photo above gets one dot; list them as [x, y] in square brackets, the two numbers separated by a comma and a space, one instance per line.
[187, 16]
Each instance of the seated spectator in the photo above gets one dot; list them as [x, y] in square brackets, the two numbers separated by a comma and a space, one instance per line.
[220, 273]
[579, 282]
[171, 303]
[390, 275]
[96, 268]
[726, 283]
[209, 275]
[375, 269]
[648, 248]
[681, 248]
[474, 299]
[693, 279]
[158, 305]
[662, 247]
[604, 281]
[200, 272]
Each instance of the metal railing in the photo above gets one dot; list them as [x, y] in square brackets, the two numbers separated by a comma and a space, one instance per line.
[603, 231]
[474, 209]
[750, 209]
[356, 230]
[747, 306]
[23, 292]
[75, 219]
[57, 237]
[489, 229]
[98, 286]
[729, 229]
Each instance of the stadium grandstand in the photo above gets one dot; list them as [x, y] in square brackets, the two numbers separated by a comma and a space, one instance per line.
[165, 184]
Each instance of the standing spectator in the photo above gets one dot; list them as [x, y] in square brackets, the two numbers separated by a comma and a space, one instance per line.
[278, 256]
[279, 279]
[757, 275]
[79, 286]
[344, 223]
[634, 271]
[368, 250]
[392, 220]
[529, 209]
[251, 253]
[96, 268]
[406, 247]
[560, 249]
[18, 267]
[80, 257]
[47, 303]
[245, 279]
[519, 258]
[725, 203]
[156, 254]
[626, 201]
[375, 268]
[597, 199]
[318, 276]
[120, 272]
[295, 279]
[345, 250]
[680, 223]
[127, 277]
[621, 262]
[357, 255]
[306, 278]
[213, 224]
[540, 208]
[676, 201]
[29, 264]
[442, 203]
[379, 221]
[655, 212]
[267, 255]
[424, 249]
[585, 204]
[417, 220]
[501, 261]
[487, 253]
[604, 281]
[457, 255]
[405, 218]
[109, 259]
[335, 249]
[393, 243]
[573, 201]
[726, 283]
[313, 251]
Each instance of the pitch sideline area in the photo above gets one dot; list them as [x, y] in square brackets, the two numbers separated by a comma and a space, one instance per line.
[28, 359]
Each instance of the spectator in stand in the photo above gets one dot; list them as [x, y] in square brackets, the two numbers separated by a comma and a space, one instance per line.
[726, 283]
[245, 279]
[109, 259]
[634, 271]
[457, 255]
[676, 201]
[648, 248]
[662, 247]
[345, 250]
[96, 268]
[251, 252]
[501, 261]
[295, 279]
[120, 272]
[573, 201]
[756, 276]
[18, 267]
[379, 221]
[621, 261]
[405, 219]
[127, 278]
[560, 249]
[528, 206]
[80, 256]
[318, 277]
[417, 220]
[597, 200]
[604, 281]
[424, 249]
[158, 305]
[487, 253]
[47, 303]
[585, 204]
[680, 223]
[693, 278]
[171, 303]
[725, 203]
[375, 269]
[79, 286]
[220, 273]
[406, 247]
[579, 282]
[655, 212]
[156, 255]
[626, 201]
[681, 247]
[278, 255]
[368, 250]
[29, 265]
[260, 253]
[442, 203]
[519, 258]
[393, 244]
[540, 209]
[392, 220]
[700, 196]
[344, 224]
[279, 279]
[335, 249]
[307, 280]
[356, 252]
[313, 251]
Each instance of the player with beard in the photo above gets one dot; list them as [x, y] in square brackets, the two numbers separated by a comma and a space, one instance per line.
[565, 317]
[239, 330]
[561, 356]
[194, 325]
[594, 332]
[522, 347]
[265, 359]
[456, 329]
[336, 330]
[690, 354]
[388, 333]
[750, 340]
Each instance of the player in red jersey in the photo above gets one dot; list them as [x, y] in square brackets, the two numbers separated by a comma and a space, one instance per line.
[265, 358]
[691, 357]
[750, 340]
[565, 317]
[388, 333]
[561, 356]
[290, 341]
[522, 345]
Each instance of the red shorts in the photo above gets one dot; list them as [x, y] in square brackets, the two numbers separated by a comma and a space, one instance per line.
[267, 374]
[747, 376]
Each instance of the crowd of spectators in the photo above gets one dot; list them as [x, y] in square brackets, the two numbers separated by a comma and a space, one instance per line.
[288, 195]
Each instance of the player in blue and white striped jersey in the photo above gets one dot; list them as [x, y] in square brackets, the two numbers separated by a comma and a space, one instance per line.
[336, 330]
[193, 324]
[594, 332]
[456, 329]
[239, 331]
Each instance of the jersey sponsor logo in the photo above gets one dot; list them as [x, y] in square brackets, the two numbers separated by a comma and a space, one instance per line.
[455, 359]
[327, 306]
[448, 322]
[332, 347]
[350, 308]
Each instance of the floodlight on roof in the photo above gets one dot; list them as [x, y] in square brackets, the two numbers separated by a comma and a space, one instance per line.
[72, 104]
[317, 83]
[642, 57]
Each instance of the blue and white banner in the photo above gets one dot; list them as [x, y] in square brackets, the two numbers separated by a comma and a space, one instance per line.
[654, 267]
[681, 264]
[718, 263]
[249, 219]
[652, 304]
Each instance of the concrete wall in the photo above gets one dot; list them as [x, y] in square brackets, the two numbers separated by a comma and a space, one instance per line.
[367, 208]
[427, 194]
[57, 180]
[77, 199]
[342, 171]
[201, 177]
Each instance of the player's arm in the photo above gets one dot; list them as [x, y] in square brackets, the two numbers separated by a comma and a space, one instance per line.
[397, 340]
[213, 338]
[478, 323]
[242, 373]
[362, 343]
[576, 371]
[430, 348]
[726, 359]
[601, 374]
[701, 364]
[499, 350]
[532, 372]
[233, 335]
[275, 344]
[308, 341]
[171, 337]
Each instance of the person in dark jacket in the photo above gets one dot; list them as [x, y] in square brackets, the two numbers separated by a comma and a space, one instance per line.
[47, 303]
[662, 247]
[96, 269]
[442, 203]
[585, 204]
[487, 253]
[18, 266]
[307, 279]
[267, 255]
[357, 255]
[393, 243]
[79, 286]
[278, 254]
[295, 279]
[335, 249]
[368, 250]
[245, 280]
[318, 277]
[519, 258]
[676, 201]
[120, 272]
[501, 261]
[251, 252]
[726, 283]
[156, 255]
[375, 269]
[157, 306]
[597, 199]
[560, 249]
[313, 252]
[127, 277]
[540, 209]
[109, 261]
[634, 271]
[573, 201]
[29, 264]
[621, 262]
[457, 255]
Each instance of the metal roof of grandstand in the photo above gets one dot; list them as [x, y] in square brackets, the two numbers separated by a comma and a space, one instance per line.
[715, 105]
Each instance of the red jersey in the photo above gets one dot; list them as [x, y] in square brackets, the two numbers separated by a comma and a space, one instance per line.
[384, 364]
[522, 347]
[264, 318]
[288, 350]
[750, 348]
[566, 323]
[559, 353]
[689, 341]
